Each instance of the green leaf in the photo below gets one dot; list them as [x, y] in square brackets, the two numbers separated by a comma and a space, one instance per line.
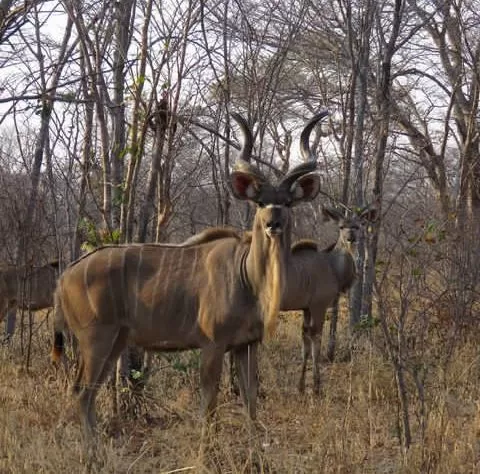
[136, 374]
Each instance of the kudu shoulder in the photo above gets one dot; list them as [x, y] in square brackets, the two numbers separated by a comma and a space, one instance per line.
[304, 244]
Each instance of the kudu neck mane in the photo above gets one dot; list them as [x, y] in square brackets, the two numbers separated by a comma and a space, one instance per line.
[266, 264]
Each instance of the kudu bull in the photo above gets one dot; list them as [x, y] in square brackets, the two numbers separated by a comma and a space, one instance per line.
[217, 296]
[26, 287]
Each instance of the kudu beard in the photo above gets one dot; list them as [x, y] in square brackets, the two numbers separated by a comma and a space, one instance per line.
[271, 296]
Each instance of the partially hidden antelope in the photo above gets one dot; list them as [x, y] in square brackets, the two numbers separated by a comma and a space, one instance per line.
[26, 287]
[217, 296]
[315, 279]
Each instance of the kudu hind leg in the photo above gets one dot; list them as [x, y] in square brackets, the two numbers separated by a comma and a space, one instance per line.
[246, 367]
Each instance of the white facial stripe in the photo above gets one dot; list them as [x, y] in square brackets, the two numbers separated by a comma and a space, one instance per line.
[272, 206]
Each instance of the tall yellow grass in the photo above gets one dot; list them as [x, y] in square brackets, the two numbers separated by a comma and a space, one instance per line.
[351, 428]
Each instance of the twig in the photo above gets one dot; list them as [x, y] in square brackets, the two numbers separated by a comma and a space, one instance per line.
[180, 469]
[137, 459]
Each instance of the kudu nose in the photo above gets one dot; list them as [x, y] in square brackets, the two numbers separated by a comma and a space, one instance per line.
[274, 226]
[351, 237]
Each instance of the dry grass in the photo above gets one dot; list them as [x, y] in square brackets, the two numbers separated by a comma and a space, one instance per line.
[352, 428]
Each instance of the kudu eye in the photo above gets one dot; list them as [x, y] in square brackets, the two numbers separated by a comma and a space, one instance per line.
[260, 204]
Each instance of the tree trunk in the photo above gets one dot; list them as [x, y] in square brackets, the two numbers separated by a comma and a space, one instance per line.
[86, 157]
[361, 98]
[122, 35]
[137, 135]
[161, 124]
[383, 99]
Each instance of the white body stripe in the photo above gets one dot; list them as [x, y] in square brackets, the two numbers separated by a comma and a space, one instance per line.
[110, 283]
[122, 283]
[137, 283]
[155, 287]
[192, 273]
[85, 282]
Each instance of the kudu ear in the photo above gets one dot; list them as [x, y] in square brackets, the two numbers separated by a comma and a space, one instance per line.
[370, 214]
[330, 214]
[245, 186]
[305, 188]
[54, 264]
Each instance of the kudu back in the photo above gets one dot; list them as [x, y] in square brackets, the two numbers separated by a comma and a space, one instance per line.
[217, 295]
[316, 278]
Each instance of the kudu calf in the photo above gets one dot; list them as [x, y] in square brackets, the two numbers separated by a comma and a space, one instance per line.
[316, 278]
[217, 296]
[26, 287]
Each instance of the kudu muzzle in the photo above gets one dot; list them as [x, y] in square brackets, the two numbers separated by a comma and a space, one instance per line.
[275, 224]
[351, 236]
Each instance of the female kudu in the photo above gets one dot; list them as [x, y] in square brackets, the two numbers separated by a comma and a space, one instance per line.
[316, 278]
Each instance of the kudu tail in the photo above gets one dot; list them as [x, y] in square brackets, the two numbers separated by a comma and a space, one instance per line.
[58, 327]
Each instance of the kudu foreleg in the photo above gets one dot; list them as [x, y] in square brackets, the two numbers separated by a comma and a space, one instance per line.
[312, 329]
[246, 367]
[316, 331]
[332, 339]
[316, 345]
[306, 349]
[210, 373]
